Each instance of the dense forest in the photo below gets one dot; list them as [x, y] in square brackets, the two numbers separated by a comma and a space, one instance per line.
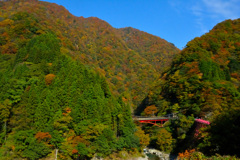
[203, 81]
[54, 103]
[70, 85]
[115, 53]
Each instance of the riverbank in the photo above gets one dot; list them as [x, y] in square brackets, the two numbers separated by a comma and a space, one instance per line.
[148, 154]
[161, 155]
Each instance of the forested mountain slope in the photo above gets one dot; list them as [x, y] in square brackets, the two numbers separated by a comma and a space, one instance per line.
[55, 73]
[204, 77]
[155, 50]
[94, 42]
[53, 106]
[204, 81]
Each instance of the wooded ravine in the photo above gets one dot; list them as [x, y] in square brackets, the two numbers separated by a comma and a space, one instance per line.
[69, 87]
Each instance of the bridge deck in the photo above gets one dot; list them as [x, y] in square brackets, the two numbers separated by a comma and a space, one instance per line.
[139, 118]
[202, 121]
[165, 118]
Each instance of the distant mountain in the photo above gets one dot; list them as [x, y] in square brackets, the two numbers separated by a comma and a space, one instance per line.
[130, 59]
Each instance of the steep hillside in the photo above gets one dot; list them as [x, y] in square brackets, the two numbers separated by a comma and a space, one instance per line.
[204, 81]
[204, 77]
[155, 50]
[67, 84]
[91, 40]
[52, 106]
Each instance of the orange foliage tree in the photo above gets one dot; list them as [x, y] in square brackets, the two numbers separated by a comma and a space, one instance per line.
[74, 151]
[150, 110]
[49, 78]
[43, 136]
[186, 155]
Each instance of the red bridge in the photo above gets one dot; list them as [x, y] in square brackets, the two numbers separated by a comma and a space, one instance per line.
[201, 121]
[200, 124]
[159, 121]
[155, 120]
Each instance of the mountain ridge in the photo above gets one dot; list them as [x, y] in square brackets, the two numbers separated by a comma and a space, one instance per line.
[91, 40]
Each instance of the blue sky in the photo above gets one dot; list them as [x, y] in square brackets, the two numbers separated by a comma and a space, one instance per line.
[177, 21]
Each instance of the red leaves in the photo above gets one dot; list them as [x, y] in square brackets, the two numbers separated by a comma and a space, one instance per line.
[74, 151]
[43, 136]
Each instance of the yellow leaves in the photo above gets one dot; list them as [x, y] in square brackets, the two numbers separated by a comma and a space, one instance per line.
[107, 49]
[9, 48]
[200, 75]
[61, 124]
[176, 74]
[94, 131]
[164, 140]
[83, 38]
[64, 50]
[143, 138]
[75, 140]
[175, 107]
[6, 22]
[213, 102]
[49, 78]
[5, 110]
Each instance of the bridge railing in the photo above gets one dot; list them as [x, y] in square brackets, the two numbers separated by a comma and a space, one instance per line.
[164, 116]
[168, 116]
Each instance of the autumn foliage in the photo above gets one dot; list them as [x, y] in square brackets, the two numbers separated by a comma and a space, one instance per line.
[204, 77]
[49, 78]
[203, 81]
[144, 138]
[185, 155]
[164, 140]
[43, 136]
[124, 63]
[150, 110]
[98, 72]
[74, 151]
